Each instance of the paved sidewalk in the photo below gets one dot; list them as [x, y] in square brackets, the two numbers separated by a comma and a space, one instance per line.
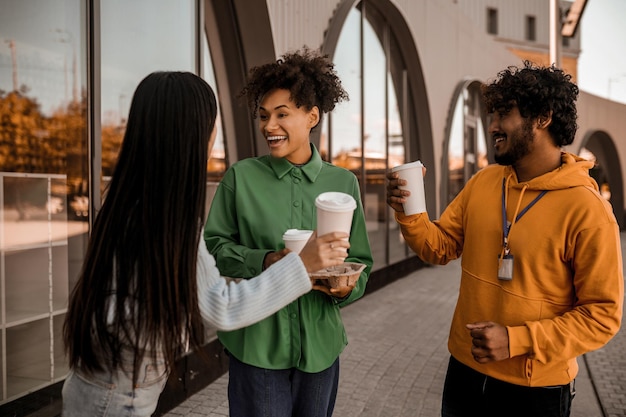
[607, 368]
[395, 362]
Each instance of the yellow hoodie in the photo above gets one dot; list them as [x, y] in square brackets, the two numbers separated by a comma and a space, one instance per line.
[567, 291]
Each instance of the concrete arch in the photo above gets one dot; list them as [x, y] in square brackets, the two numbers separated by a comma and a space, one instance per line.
[473, 87]
[608, 168]
[416, 120]
[239, 33]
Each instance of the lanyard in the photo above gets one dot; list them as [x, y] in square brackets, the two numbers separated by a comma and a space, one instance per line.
[506, 228]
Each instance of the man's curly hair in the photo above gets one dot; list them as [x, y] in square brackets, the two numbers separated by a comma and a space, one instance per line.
[308, 75]
[536, 91]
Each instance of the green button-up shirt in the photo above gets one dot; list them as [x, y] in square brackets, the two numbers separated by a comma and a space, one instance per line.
[256, 202]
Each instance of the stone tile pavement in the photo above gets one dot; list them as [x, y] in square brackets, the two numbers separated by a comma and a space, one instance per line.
[607, 368]
[395, 362]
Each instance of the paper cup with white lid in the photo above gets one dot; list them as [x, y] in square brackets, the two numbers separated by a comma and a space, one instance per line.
[296, 239]
[412, 173]
[334, 212]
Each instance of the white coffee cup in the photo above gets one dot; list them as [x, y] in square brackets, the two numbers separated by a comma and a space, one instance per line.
[412, 173]
[296, 239]
[334, 212]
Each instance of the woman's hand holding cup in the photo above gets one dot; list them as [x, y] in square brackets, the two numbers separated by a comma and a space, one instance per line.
[325, 251]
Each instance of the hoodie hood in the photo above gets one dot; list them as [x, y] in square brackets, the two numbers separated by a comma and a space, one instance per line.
[573, 172]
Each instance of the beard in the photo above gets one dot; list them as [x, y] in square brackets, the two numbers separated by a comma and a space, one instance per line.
[519, 144]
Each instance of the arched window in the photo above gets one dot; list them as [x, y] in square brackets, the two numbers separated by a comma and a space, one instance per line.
[379, 127]
[167, 43]
[598, 146]
[467, 150]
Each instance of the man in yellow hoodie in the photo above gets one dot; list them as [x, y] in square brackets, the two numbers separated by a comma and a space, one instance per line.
[542, 275]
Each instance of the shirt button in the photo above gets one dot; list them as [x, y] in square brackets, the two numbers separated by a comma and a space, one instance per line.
[294, 315]
[296, 204]
[296, 180]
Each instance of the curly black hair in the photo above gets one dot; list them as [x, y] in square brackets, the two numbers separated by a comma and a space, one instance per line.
[309, 76]
[536, 91]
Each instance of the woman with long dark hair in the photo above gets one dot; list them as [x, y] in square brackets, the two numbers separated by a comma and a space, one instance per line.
[148, 280]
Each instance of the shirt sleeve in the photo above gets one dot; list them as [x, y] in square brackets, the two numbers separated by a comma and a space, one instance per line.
[222, 235]
[437, 242]
[228, 304]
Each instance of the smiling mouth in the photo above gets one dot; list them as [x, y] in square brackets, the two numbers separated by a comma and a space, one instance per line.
[275, 140]
[499, 139]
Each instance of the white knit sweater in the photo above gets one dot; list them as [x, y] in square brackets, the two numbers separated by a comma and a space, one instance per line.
[229, 304]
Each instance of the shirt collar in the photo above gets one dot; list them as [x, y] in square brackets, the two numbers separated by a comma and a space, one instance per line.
[311, 169]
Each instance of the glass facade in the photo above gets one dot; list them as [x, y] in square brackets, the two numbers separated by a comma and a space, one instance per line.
[365, 134]
[43, 168]
[44, 162]
[163, 38]
[467, 144]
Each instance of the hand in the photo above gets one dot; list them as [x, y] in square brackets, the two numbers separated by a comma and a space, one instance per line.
[273, 257]
[322, 252]
[333, 292]
[490, 341]
[395, 196]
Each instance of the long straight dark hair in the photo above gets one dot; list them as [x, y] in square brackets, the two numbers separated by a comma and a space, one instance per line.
[137, 289]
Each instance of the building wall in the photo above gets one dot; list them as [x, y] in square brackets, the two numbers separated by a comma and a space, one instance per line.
[599, 114]
[452, 48]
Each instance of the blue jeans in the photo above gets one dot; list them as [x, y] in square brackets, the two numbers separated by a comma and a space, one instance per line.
[467, 392]
[258, 392]
[112, 394]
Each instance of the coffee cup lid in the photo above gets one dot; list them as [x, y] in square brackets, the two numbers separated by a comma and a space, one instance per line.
[416, 164]
[335, 201]
[296, 234]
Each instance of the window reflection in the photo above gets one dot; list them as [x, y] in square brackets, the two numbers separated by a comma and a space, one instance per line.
[345, 129]
[162, 39]
[218, 160]
[456, 151]
[138, 38]
[43, 167]
[467, 145]
[367, 130]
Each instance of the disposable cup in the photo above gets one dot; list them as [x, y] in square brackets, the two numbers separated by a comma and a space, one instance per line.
[296, 239]
[412, 173]
[334, 212]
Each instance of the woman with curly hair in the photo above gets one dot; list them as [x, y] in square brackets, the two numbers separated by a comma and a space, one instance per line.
[541, 281]
[148, 282]
[287, 364]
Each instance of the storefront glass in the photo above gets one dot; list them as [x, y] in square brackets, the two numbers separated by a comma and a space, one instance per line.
[367, 131]
[43, 167]
[139, 37]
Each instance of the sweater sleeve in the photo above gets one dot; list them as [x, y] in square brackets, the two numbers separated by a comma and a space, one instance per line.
[229, 305]
[436, 242]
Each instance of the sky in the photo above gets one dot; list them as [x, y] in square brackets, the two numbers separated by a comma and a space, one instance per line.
[602, 61]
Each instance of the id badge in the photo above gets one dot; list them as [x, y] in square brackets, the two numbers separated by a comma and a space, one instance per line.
[505, 271]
